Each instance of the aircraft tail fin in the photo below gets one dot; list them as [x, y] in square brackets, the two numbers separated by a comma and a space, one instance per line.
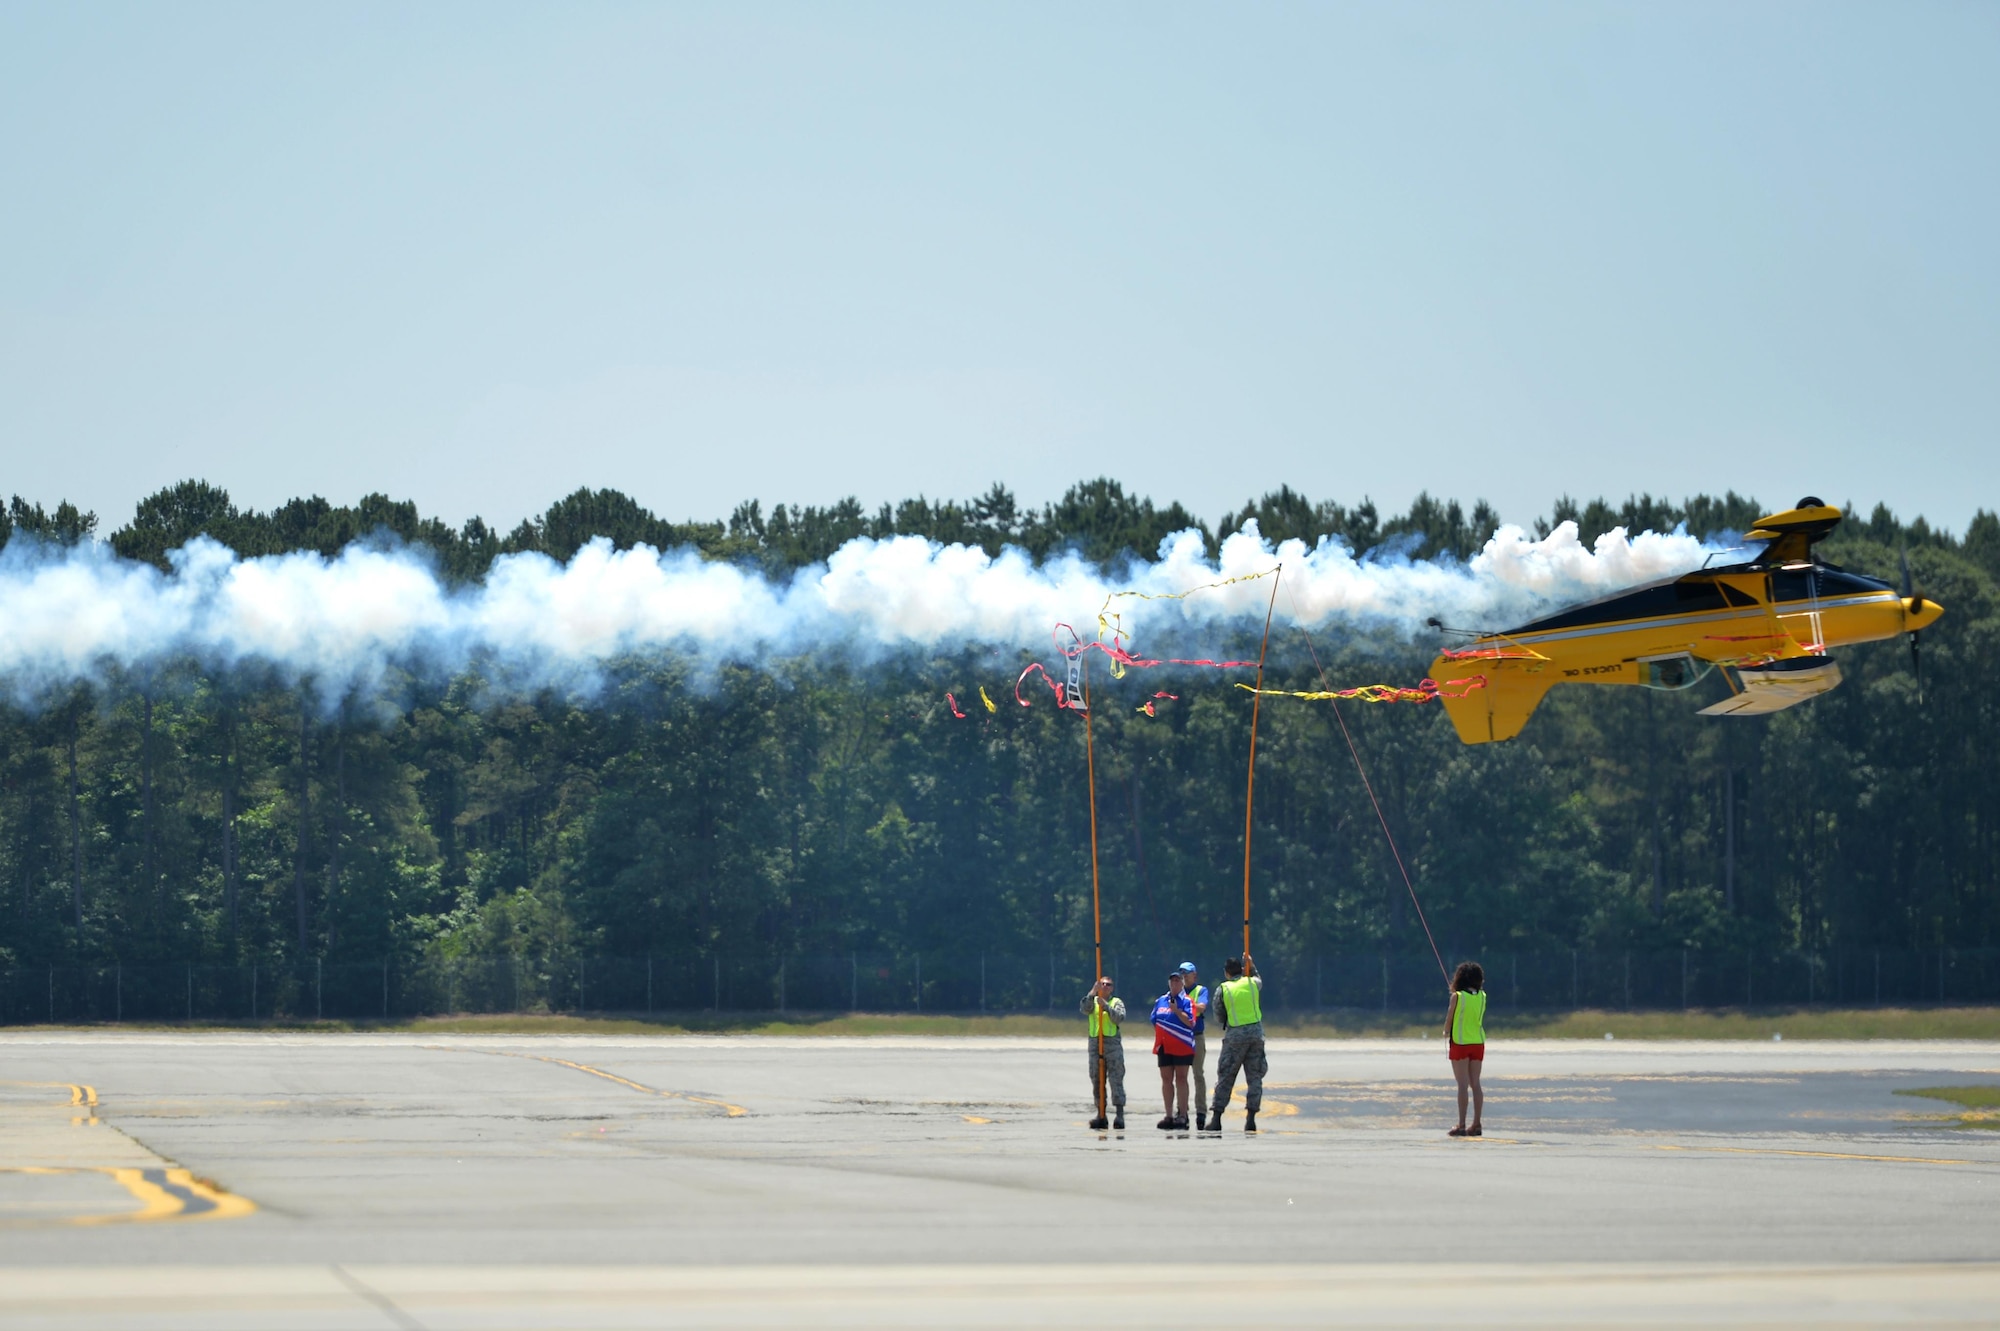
[1501, 707]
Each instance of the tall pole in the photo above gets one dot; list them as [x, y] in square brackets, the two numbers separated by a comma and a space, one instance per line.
[1096, 915]
[1729, 838]
[305, 812]
[1250, 791]
[75, 831]
[229, 821]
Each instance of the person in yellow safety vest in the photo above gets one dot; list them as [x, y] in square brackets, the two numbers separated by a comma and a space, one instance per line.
[1239, 1006]
[1105, 1014]
[1465, 1034]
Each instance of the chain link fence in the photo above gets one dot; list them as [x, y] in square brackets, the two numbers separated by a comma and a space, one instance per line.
[348, 990]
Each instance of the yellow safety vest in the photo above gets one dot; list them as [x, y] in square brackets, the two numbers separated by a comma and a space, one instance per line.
[1468, 1023]
[1101, 1021]
[1240, 1002]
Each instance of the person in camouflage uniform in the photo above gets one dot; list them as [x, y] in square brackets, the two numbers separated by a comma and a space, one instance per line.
[1238, 1004]
[1108, 1012]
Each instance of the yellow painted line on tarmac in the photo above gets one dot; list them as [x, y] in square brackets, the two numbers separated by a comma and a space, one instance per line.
[974, 1118]
[162, 1194]
[155, 1202]
[730, 1110]
[1271, 1109]
[1822, 1155]
[163, 1191]
[79, 1094]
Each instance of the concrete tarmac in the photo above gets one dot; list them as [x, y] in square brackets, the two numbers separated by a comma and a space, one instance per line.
[157, 1179]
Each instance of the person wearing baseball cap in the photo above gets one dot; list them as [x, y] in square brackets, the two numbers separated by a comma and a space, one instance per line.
[1197, 993]
[1173, 1043]
[1240, 1004]
[1106, 1052]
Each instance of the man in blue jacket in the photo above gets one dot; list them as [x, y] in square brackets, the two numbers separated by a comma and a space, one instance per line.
[1198, 995]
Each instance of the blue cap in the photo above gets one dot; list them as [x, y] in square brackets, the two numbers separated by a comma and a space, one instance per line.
[1187, 968]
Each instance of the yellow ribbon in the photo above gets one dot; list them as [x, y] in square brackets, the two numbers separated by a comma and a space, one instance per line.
[1425, 692]
[1114, 624]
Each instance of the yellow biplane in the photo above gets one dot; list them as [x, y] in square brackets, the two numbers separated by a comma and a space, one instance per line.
[1766, 623]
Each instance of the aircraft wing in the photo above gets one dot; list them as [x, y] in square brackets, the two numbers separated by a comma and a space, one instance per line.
[1777, 686]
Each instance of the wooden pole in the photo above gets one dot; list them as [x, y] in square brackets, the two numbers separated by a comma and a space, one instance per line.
[1096, 915]
[1250, 792]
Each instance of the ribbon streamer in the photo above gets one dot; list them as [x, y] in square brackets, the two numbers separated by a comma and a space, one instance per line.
[1427, 691]
[1121, 658]
[1499, 652]
[1118, 657]
[1070, 698]
[1147, 706]
[1035, 667]
[984, 697]
[1114, 624]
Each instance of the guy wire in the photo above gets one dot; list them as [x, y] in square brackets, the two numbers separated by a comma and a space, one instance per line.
[1250, 790]
[1368, 786]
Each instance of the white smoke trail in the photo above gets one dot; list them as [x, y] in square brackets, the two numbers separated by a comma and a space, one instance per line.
[344, 623]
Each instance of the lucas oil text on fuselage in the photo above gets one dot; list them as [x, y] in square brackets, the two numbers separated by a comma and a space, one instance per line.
[1767, 623]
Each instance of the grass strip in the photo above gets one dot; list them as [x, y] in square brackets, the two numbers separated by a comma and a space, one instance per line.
[1981, 1104]
[1797, 1023]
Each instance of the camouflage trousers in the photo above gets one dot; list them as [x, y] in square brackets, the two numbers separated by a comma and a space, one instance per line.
[1242, 1048]
[1114, 1070]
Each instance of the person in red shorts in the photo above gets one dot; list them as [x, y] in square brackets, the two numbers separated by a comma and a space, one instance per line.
[1174, 1016]
[1465, 1030]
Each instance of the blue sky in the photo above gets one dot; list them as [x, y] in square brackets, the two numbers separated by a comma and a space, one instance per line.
[479, 255]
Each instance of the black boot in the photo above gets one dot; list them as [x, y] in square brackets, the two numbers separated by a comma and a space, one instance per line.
[1118, 1123]
[1214, 1123]
[1098, 1124]
[1166, 1124]
[1249, 1120]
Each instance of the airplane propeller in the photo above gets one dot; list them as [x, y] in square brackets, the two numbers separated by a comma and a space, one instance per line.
[1916, 603]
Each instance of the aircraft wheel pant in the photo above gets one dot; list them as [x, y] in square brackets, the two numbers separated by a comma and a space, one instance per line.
[1200, 1076]
[1114, 1070]
[1242, 1048]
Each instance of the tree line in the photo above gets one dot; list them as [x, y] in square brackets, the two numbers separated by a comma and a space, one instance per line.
[808, 807]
